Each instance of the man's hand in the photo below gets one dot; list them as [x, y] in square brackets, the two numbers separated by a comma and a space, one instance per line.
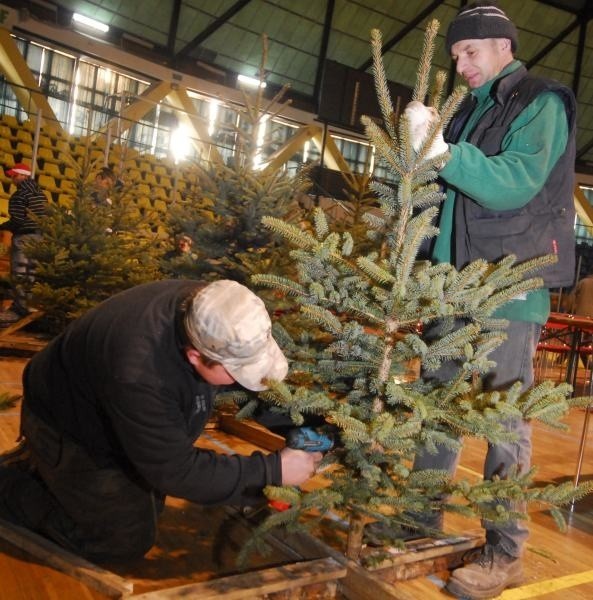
[298, 465]
[420, 119]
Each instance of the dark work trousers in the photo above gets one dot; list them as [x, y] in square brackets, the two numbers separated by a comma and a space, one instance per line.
[100, 513]
[514, 362]
[22, 271]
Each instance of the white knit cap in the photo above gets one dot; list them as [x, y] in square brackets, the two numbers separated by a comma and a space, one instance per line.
[228, 323]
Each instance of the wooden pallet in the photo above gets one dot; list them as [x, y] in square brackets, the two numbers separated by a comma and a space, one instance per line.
[302, 566]
[10, 341]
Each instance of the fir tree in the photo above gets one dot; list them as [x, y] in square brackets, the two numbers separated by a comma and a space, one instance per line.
[90, 250]
[223, 209]
[366, 312]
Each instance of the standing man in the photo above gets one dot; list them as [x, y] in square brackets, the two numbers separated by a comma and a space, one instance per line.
[509, 177]
[112, 408]
[27, 202]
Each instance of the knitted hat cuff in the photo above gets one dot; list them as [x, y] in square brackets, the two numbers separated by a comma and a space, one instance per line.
[481, 21]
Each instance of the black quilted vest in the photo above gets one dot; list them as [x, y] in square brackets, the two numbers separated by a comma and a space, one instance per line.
[545, 225]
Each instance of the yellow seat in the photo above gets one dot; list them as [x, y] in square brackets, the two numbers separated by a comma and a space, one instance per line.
[68, 186]
[71, 173]
[160, 205]
[11, 121]
[165, 181]
[22, 135]
[5, 145]
[160, 193]
[8, 161]
[47, 183]
[65, 200]
[160, 170]
[6, 132]
[45, 142]
[50, 168]
[150, 179]
[62, 146]
[46, 154]
[24, 149]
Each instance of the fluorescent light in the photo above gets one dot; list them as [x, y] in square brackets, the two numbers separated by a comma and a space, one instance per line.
[251, 81]
[92, 23]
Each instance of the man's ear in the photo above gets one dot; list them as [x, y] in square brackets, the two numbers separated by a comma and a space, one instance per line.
[505, 44]
[193, 356]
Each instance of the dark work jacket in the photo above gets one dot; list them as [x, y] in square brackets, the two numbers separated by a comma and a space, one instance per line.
[117, 382]
[545, 225]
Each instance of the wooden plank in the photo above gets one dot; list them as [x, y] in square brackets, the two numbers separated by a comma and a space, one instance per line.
[360, 584]
[21, 343]
[103, 581]
[428, 548]
[251, 432]
[431, 557]
[257, 584]
[33, 316]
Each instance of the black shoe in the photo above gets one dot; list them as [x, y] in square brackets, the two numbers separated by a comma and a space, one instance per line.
[18, 457]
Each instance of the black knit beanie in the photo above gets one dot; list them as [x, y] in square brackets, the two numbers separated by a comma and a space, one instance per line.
[478, 21]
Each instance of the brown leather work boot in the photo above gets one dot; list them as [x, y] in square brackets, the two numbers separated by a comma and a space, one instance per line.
[487, 576]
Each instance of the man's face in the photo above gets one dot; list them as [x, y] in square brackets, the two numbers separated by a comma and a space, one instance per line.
[103, 183]
[18, 178]
[479, 61]
[212, 372]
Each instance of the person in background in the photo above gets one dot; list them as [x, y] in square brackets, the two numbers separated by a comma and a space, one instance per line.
[26, 204]
[113, 406]
[105, 181]
[183, 246]
[507, 164]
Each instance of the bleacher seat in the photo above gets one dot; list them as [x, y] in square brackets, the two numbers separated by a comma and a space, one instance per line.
[8, 161]
[50, 168]
[22, 135]
[160, 170]
[71, 172]
[45, 142]
[46, 154]
[160, 205]
[11, 121]
[26, 150]
[6, 132]
[65, 200]
[5, 145]
[160, 193]
[62, 146]
[68, 186]
[165, 181]
[48, 183]
[149, 178]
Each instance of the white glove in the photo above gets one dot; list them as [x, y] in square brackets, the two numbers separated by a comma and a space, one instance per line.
[420, 119]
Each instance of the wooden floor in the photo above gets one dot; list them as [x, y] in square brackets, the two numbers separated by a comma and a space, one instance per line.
[557, 565]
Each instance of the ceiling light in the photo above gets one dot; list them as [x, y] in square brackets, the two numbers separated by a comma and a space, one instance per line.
[251, 81]
[92, 23]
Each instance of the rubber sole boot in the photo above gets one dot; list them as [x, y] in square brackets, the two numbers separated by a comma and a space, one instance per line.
[486, 578]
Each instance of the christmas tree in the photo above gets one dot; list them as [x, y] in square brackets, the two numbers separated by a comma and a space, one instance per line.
[91, 249]
[366, 312]
[222, 211]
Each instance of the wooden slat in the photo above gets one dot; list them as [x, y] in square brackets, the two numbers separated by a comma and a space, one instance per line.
[7, 331]
[251, 432]
[257, 584]
[53, 555]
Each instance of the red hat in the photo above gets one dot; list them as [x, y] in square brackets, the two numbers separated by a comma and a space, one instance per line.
[19, 169]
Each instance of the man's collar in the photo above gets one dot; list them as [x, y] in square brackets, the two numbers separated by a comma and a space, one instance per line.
[494, 84]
